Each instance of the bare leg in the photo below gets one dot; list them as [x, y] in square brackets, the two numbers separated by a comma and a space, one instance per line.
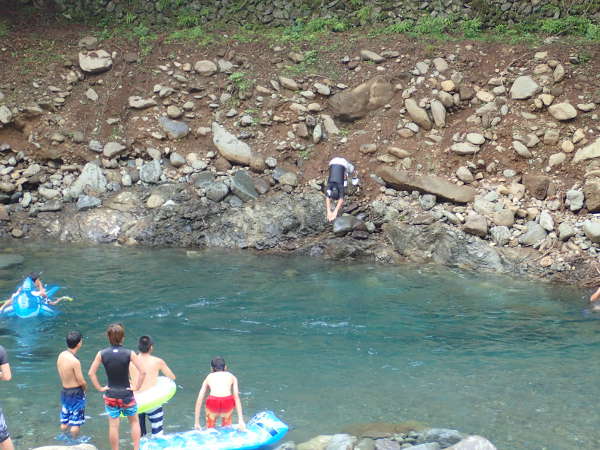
[74, 432]
[63, 427]
[113, 433]
[136, 433]
[7, 445]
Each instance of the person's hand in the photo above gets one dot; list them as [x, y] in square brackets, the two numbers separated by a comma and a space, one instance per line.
[242, 426]
[103, 389]
[197, 426]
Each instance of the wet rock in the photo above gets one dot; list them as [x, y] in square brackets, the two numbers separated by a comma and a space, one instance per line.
[429, 184]
[96, 61]
[537, 185]
[91, 180]
[353, 104]
[534, 234]
[136, 102]
[588, 152]
[563, 111]
[86, 202]
[418, 114]
[591, 228]
[473, 443]
[8, 260]
[174, 128]
[150, 172]
[476, 224]
[113, 149]
[442, 436]
[523, 88]
[242, 185]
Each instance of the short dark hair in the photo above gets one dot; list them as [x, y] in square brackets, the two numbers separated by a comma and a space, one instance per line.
[33, 275]
[73, 338]
[145, 343]
[218, 364]
[115, 333]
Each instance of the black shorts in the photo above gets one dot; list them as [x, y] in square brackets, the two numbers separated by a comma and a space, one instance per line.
[4, 435]
[331, 187]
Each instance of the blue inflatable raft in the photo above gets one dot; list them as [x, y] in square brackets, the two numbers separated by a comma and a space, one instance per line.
[26, 304]
[263, 429]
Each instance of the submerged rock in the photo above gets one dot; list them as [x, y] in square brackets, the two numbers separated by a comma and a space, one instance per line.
[9, 260]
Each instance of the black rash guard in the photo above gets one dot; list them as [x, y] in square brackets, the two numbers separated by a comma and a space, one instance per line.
[337, 173]
[116, 363]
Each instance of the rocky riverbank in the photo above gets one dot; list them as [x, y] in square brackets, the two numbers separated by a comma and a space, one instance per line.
[478, 158]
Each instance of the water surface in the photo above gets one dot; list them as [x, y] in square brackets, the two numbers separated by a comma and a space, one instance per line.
[323, 344]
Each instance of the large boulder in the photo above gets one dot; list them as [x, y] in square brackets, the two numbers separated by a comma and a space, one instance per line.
[417, 114]
[429, 184]
[91, 180]
[96, 61]
[100, 225]
[230, 147]
[523, 88]
[473, 443]
[355, 103]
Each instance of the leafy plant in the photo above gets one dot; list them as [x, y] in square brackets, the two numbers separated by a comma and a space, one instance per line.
[240, 83]
[196, 34]
[404, 26]
[187, 19]
[471, 28]
[130, 18]
[433, 25]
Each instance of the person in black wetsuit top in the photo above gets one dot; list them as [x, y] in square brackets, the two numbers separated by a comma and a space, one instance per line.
[118, 395]
[339, 171]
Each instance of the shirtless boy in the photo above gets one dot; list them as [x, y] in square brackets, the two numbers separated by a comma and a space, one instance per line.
[5, 375]
[223, 397]
[152, 365]
[72, 396]
[118, 395]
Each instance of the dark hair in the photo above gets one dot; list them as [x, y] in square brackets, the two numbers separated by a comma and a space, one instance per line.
[218, 364]
[115, 333]
[145, 343]
[73, 338]
[34, 276]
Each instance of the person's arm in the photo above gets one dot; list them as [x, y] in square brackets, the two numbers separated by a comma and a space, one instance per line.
[336, 211]
[79, 375]
[198, 406]
[41, 288]
[141, 372]
[238, 405]
[595, 296]
[92, 373]
[5, 373]
[166, 370]
[327, 208]
[6, 304]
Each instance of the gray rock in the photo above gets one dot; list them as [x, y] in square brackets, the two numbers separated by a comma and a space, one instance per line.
[442, 436]
[464, 174]
[150, 172]
[566, 231]
[473, 443]
[174, 128]
[428, 446]
[289, 178]
[85, 202]
[48, 194]
[230, 147]
[345, 224]
[476, 224]
[476, 138]
[521, 149]
[206, 68]
[242, 185]
[504, 217]
[365, 444]
[96, 61]
[500, 235]
[429, 184]
[575, 199]
[438, 111]
[91, 179]
[51, 206]
[534, 234]
[591, 190]
[6, 115]
[9, 260]
[588, 152]
[288, 83]
[113, 149]
[418, 114]
[353, 104]
[91, 95]
[174, 112]
[136, 102]
[440, 64]
[341, 441]
[464, 148]
[386, 444]
[368, 55]
[546, 221]
[523, 88]
[176, 159]
[203, 179]
[217, 191]
[563, 111]
[591, 228]
[427, 201]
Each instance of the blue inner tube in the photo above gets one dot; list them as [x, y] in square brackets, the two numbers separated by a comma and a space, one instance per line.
[27, 304]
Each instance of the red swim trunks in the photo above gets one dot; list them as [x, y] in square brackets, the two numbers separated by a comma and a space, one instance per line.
[220, 405]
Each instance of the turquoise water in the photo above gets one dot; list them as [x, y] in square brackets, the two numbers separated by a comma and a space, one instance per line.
[323, 344]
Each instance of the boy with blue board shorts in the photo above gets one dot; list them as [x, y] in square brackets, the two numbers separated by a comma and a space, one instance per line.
[118, 395]
[6, 375]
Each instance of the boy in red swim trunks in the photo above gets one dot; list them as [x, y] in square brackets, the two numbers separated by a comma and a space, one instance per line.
[224, 397]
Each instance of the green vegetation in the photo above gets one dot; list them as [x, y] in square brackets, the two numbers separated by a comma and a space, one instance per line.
[145, 38]
[3, 29]
[196, 34]
[241, 84]
[304, 31]
[308, 65]
[187, 19]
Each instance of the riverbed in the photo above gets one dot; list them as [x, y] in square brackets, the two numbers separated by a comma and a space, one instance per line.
[322, 344]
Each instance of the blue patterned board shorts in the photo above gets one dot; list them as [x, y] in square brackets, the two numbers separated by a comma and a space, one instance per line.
[72, 412]
[4, 435]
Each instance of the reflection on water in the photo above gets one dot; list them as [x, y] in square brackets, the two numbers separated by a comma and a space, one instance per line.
[324, 345]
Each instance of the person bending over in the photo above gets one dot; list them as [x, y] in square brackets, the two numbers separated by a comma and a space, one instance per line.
[339, 171]
[152, 366]
[118, 395]
[223, 397]
[72, 396]
[6, 375]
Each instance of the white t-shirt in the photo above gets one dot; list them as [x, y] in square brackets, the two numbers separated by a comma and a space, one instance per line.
[343, 162]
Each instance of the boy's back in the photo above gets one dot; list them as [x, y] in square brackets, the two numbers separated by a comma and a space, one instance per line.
[220, 383]
[152, 366]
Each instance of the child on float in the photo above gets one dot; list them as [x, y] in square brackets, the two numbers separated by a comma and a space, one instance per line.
[222, 387]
